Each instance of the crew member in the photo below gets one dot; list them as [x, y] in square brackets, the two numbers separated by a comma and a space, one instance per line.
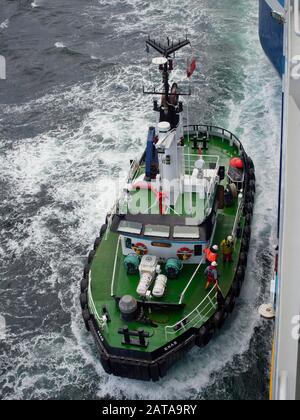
[227, 246]
[199, 164]
[212, 275]
[211, 254]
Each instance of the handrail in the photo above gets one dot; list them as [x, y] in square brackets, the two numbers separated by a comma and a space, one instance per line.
[212, 128]
[92, 304]
[207, 159]
[115, 267]
[185, 321]
[190, 282]
[237, 217]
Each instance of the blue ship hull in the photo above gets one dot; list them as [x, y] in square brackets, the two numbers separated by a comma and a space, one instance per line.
[271, 33]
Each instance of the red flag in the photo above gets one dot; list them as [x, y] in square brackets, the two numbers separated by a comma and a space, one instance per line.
[191, 66]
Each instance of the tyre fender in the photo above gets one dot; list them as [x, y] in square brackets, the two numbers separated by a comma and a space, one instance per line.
[103, 231]
[86, 271]
[240, 273]
[245, 245]
[84, 300]
[84, 284]
[236, 288]
[230, 303]
[219, 319]
[204, 336]
[247, 232]
[97, 243]
[249, 208]
[86, 318]
[252, 186]
[242, 260]
[91, 257]
[250, 196]
[250, 163]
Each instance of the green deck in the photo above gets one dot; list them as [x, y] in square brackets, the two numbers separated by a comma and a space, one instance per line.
[103, 267]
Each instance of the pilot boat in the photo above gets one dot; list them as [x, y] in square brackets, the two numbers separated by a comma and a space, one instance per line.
[170, 260]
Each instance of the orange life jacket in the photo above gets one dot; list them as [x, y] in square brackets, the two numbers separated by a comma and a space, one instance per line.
[210, 255]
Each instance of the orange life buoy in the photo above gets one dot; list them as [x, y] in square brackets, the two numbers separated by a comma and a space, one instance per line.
[184, 254]
[140, 249]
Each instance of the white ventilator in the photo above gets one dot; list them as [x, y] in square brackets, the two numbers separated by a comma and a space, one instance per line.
[148, 265]
[147, 270]
[160, 286]
[144, 284]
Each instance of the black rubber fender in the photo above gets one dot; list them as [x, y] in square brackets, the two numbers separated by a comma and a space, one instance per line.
[84, 284]
[219, 319]
[86, 318]
[103, 230]
[236, 288]
[248, 218]
[230, 303]
[86, 271]
[91, 257]
[243, 259]
[240, 272]
[250, 196]
[97, 243]
[245, 245]
[204, 335]
[247, 232]
[84, 300]
[251, 185]
[250, 163]
[252, 174]
[249, 208]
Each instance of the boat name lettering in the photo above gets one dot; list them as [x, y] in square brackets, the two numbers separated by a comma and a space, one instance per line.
[171, 346]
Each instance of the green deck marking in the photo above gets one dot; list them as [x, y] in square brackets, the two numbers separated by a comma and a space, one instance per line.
[103, 263]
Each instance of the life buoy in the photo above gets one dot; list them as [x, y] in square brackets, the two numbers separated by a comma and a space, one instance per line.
[185, 254]
[140, 249]
[237, 163]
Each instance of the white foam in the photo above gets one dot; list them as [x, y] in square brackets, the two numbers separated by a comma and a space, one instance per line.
[59, 45]
[5, 24]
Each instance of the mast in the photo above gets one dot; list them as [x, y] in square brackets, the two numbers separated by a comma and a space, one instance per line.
[166, 52]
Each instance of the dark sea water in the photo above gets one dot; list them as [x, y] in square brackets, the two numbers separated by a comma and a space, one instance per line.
[72, 115]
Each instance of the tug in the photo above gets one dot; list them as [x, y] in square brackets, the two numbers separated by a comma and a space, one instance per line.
[145, 294]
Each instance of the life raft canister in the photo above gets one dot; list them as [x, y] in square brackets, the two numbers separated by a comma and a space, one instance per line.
[237, 163]
[140, 249]
[184, 254]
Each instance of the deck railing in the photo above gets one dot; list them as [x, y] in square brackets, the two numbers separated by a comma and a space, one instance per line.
[197, 317]
[213, 130]
[100, 320]
[210, 162]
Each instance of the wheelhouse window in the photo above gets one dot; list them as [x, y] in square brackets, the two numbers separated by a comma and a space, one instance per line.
[130, 227]
[186, 232]
[159, 231]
